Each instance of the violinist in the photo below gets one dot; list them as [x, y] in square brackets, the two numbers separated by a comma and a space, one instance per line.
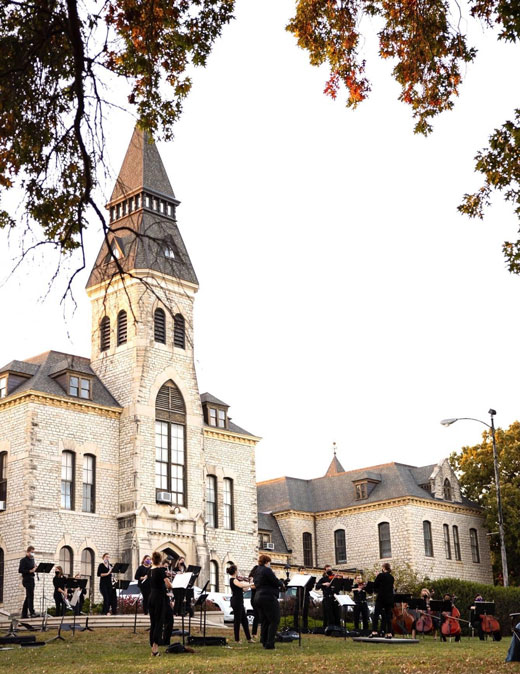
[104, 573]
[330, 606]
[384, 587]
[450, 626]
[60, 592]
[360, 598]
[180, 596]
[142, 576]
[237, 603]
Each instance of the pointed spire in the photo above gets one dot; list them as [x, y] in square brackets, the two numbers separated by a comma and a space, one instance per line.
[144, 232]
[142, 169]
[335, 466]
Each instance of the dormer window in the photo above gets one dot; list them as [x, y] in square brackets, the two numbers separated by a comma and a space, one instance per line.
[79, 387]
[361, 491]
[170, 253]
[3, 387]
[216, 417]
[447, 490]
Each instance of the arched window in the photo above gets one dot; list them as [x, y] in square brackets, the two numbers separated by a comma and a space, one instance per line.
[3, 480]
[428, 540]
[67, 560]
[447, 490]
[89, 483]
[87, 569]
[179, 331]
[473, 539]
[385, 544]
[170, 455]
[1, 575]
[122, 328]
[211, 501]
[307, 550]
[447, 544]
[213, 576]
[67, 480]
[229, 515]
[340, 546]
[159, 326]
[456, 543]
[104, 334]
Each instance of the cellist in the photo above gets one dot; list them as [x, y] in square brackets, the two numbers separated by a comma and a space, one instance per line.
[424, 622]
[450, 626]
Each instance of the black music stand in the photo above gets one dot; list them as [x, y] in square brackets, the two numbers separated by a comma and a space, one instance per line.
[301, 582]
[417, 603]
[183, 581]
[45, 568]
[201, 601]
[195, 572]
[74, 584]
[119, 567]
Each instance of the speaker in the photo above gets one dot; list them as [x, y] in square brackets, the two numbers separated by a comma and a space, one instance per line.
[208, 641]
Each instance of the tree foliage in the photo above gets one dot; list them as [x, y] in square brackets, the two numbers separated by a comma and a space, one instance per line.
[59, 60]
[474, 465]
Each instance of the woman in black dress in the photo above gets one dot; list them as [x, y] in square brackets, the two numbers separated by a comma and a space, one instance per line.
[104, 573]
[267, 588]
[59, 590]
[384, 586]
[159, 584]
[256, 617]
[237, 603]
[142, 576]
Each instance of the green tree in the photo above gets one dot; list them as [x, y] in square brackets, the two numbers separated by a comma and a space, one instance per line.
[474, 466]
[59, 60]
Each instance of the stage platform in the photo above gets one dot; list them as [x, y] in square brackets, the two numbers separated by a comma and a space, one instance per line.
[382, 640]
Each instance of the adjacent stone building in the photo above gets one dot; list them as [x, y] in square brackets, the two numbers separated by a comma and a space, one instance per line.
[120, 453]
[359, 519]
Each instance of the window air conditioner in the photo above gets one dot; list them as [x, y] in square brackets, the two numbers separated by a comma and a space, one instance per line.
[268, 546]
[163, 497]
[2, 505]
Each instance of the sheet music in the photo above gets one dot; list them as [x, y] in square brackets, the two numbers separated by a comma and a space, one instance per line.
[181, 580]
[344, 600]
[299, 580]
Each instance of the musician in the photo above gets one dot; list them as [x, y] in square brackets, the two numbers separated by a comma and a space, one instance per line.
[27, 568]
[266, 600]
[60, 592]
[104, 573]
[237, 603]
[447, 614]
[159, 584]
[256, 616]
[330, 606]
[360, 598]
[384, 587]
[142, 576]
[426, 595]
[304, 609]
[183, 598]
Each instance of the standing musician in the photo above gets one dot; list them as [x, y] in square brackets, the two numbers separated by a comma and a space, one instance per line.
[142, 576]
[159, 584]
[60, 592]
[266, 600]
[330, 606]
[237, 603]
[180, 596]
[384, 587]
[27, 568]
[256, 617]
[360, 598]
[104, 573]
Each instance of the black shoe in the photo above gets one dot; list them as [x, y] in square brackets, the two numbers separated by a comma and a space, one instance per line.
[269, 648]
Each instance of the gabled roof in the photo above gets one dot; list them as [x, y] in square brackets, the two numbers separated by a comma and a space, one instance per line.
[267, 522]
[338, 491]
[20, 367]
[45, 365]
[146, 238]
[208, 398]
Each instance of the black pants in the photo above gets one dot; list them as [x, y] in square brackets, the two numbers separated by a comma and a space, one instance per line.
[157, 608]
[167, 624]
[28, 605]
[269, 609]
[145, 591]
[239, 618]
[60, 604]
[109, 599]
[361, 609]
[383, 609]
[331, 613]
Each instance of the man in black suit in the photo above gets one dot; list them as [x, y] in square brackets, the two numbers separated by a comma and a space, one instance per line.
[27, 568]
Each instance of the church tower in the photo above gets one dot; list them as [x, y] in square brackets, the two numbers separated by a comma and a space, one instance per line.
[142, 289]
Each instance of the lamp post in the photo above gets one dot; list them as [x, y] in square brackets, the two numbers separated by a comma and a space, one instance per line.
[492, 412]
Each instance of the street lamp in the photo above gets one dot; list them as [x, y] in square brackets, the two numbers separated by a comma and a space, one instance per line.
[449, 422]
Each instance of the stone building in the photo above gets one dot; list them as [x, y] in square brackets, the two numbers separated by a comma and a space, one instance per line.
[359, 519]
[120, 453]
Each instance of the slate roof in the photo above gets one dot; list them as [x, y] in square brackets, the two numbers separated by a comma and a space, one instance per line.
[208, 398]
[335, 466]
[338, 491]
[41, 368]
[145, 234]
[20, 366]
[267, 522]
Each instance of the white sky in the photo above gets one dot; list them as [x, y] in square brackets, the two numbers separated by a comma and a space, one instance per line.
[342, 297]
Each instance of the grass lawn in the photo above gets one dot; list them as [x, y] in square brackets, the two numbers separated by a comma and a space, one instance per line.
[112, 650]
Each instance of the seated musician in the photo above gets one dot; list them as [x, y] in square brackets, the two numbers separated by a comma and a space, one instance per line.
[446, 615]
[424, 621]
[485, 625]
[330, 605]
[360, 598]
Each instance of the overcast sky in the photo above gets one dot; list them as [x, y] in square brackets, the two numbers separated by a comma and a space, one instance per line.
[342, 297]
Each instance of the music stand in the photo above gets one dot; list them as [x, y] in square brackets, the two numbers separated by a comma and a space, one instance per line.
[417, 603]
[369, 587]
[344, 601]
[440, 605]
[300, 582]
[45, 568]
[119, 567]
[181, 582]
[201, 601]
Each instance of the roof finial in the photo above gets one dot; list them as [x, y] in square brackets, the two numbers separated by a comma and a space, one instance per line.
[334, 448]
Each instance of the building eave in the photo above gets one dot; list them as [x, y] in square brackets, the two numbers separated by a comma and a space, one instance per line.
[229, 436]
[81, 405]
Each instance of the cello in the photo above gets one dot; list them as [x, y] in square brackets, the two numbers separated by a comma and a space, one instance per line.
[424, 622]
[451, 623]
[402, 618]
